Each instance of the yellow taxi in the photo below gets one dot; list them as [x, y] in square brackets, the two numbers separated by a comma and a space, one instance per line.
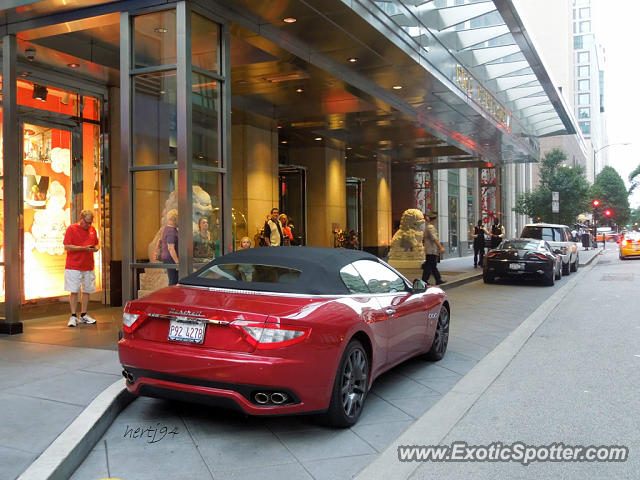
[630, 245]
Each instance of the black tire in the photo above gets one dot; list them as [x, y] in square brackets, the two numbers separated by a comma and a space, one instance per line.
[550, 278]
[566, 270]
[441, 336]
[350, 386]
[559, 274]
[488, 278]
[574, 265]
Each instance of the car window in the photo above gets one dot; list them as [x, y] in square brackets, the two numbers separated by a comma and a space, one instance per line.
[560, 235]
[353, 280]
[251, 272]
[519, 245]
[540, 233]
[379, 279]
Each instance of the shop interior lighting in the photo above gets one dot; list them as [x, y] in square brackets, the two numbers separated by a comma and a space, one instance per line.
[39, 92]
[289, 20]
[397, 87]
[160, 29]
[318, 139]
[299, 90]
[352, 59]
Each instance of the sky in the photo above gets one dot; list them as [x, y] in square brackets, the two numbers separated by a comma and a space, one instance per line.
[615, 24]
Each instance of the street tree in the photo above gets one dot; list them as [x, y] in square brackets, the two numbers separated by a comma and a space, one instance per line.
[610, 189]
[571, 184]
[634, 178]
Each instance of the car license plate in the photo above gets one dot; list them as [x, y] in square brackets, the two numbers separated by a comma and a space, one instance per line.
[186, 331]
[516, 266]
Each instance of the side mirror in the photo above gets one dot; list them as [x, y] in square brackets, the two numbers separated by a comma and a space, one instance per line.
[419, 286]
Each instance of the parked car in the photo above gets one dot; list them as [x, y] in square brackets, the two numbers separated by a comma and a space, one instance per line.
[629, 245]
[275, 331]
[559, 237]
[523, 257]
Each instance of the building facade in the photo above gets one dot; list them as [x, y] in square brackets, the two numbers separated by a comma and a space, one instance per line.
[342, 115]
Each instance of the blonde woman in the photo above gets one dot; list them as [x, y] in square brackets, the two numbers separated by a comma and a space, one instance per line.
[287, 236]
[245, 243]
[169, 253]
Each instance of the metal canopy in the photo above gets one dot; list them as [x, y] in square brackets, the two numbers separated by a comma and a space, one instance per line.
[487, 38]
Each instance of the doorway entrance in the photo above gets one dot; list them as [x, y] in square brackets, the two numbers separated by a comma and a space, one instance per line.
[354, 211]
[293, 200]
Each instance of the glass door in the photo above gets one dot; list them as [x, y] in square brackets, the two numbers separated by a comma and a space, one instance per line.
[57, 185]
[354, 213]
[293, 200]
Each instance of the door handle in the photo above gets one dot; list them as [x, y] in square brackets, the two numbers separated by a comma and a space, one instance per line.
[390, 311]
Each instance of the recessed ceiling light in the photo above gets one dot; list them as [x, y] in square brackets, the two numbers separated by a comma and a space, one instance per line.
[318, 139]
[353, 59]
[349, 148]
[429, 108]
[24, 74]
[284, 141]
[279, 126]
[397, 87]
[73, 65]
[160, 29]
[289, 20]
[299, 90]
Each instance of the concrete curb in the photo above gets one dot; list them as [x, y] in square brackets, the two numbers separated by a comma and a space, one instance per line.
[439, 420]
[69, 450]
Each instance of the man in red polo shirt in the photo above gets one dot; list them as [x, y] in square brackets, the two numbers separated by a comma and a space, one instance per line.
[80, 242]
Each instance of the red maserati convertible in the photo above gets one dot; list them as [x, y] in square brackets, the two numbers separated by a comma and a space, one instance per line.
[281, 330]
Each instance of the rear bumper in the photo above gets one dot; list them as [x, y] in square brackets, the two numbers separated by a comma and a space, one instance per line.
[500, 268]
[227, 379]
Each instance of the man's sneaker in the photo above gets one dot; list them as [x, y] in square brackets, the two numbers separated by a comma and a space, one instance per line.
[72, 322]
[87, 319]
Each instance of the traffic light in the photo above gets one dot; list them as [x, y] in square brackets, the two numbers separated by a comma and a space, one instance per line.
[608, 213]
[595, 203]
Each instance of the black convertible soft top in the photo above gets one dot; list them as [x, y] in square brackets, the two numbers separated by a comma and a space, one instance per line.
[320, 269]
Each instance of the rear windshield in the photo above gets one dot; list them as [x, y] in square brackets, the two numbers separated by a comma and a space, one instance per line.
[251, 272]
[550, 234]
[520, 245]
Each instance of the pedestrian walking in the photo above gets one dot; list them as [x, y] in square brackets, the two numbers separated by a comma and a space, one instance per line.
[273, 229]
[432, 250]
[497, 233]
[478, 244]
[80, 242]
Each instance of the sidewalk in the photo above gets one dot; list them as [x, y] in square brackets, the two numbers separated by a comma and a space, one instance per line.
[46, 388]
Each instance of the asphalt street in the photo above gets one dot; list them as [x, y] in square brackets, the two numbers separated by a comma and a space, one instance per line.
[575, 381]
[220, 444]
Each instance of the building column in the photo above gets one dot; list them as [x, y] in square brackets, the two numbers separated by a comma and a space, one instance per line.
[376, 199]
[442, 223]
[12, 184]
[463, 207]
[326, 191]
[254, 169]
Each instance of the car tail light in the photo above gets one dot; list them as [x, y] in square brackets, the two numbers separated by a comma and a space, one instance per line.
[493, 254]
[538, 256]
[271, 335]
[132, 319]
[623, 242]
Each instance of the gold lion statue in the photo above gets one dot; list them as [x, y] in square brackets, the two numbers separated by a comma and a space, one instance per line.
[406, 243]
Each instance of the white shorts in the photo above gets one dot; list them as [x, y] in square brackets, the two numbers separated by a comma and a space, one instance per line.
[73, 279]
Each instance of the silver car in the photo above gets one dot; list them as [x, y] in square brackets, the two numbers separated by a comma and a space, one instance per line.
[559, 237]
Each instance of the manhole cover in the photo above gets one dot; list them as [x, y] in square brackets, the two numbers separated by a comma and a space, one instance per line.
[617, 277]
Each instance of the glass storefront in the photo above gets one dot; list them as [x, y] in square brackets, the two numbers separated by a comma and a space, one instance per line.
[61, 169]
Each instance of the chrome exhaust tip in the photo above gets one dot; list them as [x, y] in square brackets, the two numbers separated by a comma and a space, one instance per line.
[129, 376]
[278, 398]
[261, 398]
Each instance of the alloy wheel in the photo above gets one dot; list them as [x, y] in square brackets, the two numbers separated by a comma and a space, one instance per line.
[441, 339]
[354, 382]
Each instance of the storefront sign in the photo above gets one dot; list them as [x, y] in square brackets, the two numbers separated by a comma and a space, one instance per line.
[482, 96]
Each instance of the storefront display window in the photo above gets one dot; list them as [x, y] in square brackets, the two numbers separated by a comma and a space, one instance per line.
[53, 190]
[207, 192]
